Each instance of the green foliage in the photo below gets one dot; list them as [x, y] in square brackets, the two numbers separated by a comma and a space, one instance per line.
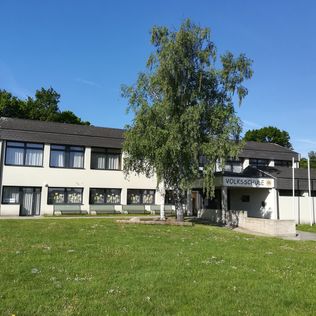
[44, 107]
[269, 134]
[312, 160]
[183, 106]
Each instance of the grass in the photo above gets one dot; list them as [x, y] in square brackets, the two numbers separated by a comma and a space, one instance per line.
[98, 267]
[307, 228]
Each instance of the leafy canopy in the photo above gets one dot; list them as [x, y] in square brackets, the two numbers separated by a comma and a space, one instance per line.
[44, 107]
[312, 158]
[183, 108]
[269, 134]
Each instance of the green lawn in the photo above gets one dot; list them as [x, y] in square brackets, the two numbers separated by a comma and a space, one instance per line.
[307, 228]
[99, 267]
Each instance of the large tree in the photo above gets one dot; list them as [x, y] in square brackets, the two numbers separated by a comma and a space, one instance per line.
[44, 107]
[312, 158]
[269, 134]
[183, 109]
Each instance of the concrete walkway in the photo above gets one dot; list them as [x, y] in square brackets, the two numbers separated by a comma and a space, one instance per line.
[300, 235]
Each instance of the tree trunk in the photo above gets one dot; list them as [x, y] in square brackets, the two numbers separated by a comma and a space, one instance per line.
[179, 205]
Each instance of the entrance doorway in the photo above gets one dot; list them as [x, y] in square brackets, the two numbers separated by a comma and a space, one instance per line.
[30, 201]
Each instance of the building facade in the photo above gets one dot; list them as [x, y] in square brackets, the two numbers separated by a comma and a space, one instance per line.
[48, 167]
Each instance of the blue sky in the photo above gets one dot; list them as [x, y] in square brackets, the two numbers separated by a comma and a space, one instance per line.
[86, 49]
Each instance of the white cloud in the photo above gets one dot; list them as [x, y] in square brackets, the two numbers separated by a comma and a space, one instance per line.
[250, 124]
[88, 82]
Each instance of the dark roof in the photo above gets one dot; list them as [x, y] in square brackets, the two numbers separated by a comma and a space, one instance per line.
[284, 178]
[267, 151]
[60, 133]
[71, 134]
[249, 172]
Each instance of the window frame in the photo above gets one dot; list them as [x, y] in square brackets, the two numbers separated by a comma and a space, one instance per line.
[257, 164]
[106, 151]
[65, 195]
[26, 145]
[20, 189]
[67, 150]
[142, 196]
[282, 163]
[91, 202]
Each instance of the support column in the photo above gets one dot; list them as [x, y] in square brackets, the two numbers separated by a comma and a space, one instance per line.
[189, 203]
[224, 204]
[162, 192]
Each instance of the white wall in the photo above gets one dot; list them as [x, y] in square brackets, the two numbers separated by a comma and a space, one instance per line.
[303, 210]
[254, 207]
[86, 178]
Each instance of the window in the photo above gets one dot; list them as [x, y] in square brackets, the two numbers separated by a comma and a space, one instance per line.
[233, 165]
[259, 162]
[283, 163]
[24, 154]
[169, 197]
[140, 196]
[105, 196]
[105, 159]
[245, 198]
[62, 156]
[11, 195]
[289, 193]
[64, 196]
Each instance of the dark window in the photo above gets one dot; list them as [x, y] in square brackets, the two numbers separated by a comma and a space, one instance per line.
[140, 196]
[313, 193]
[213, 203]
[106, 159]
[245, 198]
[62, 156]
[289, 193]
[169, 197]
[24, 154]
[233, 165]
[283, 163]
[105, 196]
[11, 195]
[64, 196]
[259, 162]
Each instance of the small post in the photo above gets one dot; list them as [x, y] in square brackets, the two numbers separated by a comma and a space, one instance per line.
[309, 191]
[293, 189]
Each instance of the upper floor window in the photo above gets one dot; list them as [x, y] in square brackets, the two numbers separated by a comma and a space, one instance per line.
[106, 158]
[259, 162]
[24, 154]
[233, 165]
[283, 163]
[63, 156]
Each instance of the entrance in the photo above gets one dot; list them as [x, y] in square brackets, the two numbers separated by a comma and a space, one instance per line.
[30, 201]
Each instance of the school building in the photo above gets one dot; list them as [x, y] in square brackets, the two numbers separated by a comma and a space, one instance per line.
[51, 168]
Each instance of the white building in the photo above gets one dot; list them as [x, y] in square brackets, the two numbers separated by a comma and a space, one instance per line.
[48, 167]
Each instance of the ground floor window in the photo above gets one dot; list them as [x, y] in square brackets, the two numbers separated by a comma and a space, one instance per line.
[214, 202]
[11, 195]
[140, 196]
[169, 197]
[105, 196]
[29, 199]
[64, 196]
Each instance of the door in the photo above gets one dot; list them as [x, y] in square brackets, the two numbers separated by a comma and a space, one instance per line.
[30, 201]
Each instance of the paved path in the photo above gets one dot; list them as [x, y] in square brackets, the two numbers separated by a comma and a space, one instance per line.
[299, 236]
